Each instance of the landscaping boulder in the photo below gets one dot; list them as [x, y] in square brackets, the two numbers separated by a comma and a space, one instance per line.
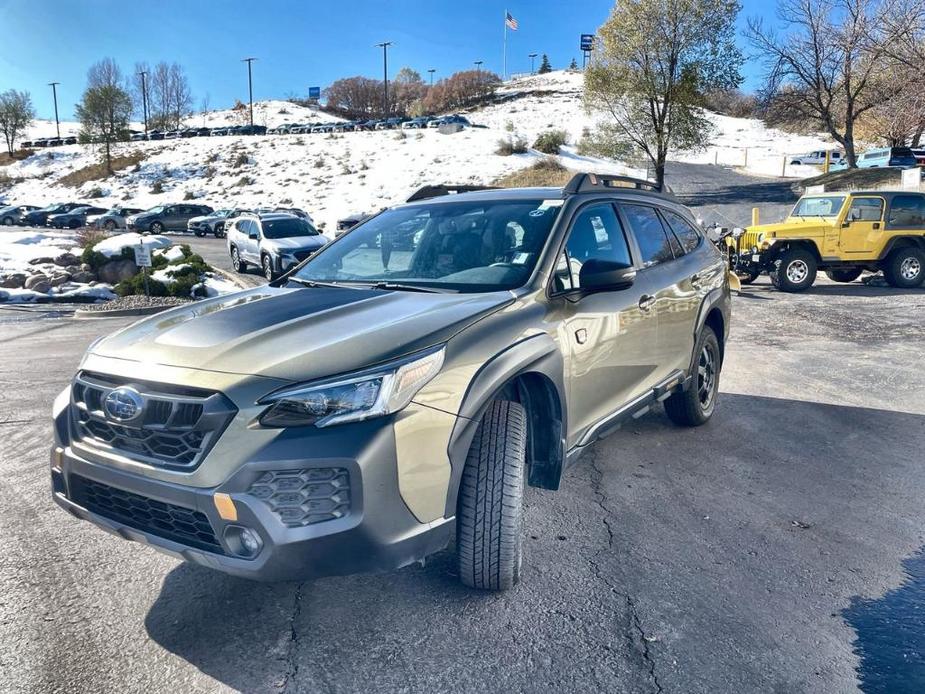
[33, 280]
[115, 271]
[13, 281]
[66, 259]
[44, 260]
[60, 279]
[83, 277]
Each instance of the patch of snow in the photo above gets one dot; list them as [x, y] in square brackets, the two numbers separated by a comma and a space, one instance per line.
[171, 254]
[114, 244]
[17, 248]
[215, 285]
[166, 276]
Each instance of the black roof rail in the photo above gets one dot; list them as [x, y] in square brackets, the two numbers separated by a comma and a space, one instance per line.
[589, 182]
[444, 189]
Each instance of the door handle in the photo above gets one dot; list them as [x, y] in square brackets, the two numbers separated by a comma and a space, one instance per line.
[646, 302]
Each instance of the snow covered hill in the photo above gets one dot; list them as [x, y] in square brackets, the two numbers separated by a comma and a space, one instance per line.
[337, 174]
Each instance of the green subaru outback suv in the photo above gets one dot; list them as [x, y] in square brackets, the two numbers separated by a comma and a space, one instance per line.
[398, 389]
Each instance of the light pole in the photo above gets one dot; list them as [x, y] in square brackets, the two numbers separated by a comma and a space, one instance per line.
[144, 98]
[54, 94]
[432, 71]
[385, 73]
[478, 65]
[250, 86]
[532, 57]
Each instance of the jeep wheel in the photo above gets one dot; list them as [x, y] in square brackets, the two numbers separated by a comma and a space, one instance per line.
[694, 406]
[905, 268]
[847, 275]
[794, 271]
[489, 518]
[237, 264]
[157, 228]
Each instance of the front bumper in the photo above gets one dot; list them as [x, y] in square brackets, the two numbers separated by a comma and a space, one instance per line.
[378, 532]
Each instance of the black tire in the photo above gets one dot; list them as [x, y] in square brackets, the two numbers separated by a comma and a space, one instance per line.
[266, 266]
[218, 231]
[489, 518]
[110, 225]
[794, 271]
[844, 275]
[695, 406]
[199, 234]
[904, 268]
[237, 264]
[157, 228]
[8, 221]
[748, 277]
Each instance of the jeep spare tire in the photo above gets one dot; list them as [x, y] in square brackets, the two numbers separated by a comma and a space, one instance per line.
[489, 518]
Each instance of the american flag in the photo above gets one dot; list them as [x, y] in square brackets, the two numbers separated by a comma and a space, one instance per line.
[510, 21]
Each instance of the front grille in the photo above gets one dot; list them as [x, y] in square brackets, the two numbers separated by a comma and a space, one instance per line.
[182, 525]
[302, 255]
[175, 429]
[305, 497]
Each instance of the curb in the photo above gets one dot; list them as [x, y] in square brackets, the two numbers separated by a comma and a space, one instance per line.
[232, 277]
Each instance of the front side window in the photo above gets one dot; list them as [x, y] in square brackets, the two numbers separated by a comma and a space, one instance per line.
[907, 211]
[469, 246]
[596, 234]
[865, 210]
[687, 235]
[655, 245]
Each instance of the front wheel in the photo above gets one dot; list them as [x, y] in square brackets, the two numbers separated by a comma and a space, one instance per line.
[794, 271]
[157, 228]
[905, 268]
[268, 271]
[199, 234]
[695, 406]
[849, 275]
[237, 264]
[8, 221]
[489, 525]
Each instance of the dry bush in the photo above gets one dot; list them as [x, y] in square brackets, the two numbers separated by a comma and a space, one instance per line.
[98, 171]
[545, 172]
[511, 145]
[18, 155]
[88, 237]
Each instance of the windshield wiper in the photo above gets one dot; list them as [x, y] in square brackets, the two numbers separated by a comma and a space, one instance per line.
[315, 283]
[406, 287]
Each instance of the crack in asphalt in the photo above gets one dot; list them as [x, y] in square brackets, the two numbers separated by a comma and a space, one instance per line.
[292, 665]
[600, 499]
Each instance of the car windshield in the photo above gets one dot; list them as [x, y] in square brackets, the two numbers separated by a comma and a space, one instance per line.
[221, 213]
[156, 209]
[287, 227]
[828, 206]
[460, 246]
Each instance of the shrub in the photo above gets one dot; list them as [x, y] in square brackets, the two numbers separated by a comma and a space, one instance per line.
[239, 160]
[509, 126]
[95, 192]
[93, 258]
[546, 172]
[136, 285]
[511, 145]
[245, 181]
[157, 187]
[550, 141]
[88, 237]
[319, 163]
[189, 195]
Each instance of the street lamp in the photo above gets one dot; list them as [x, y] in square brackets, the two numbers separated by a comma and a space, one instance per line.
[250, 86]
[478, 65]
[144, 98]
[54, 94]
[532, 57]
[385, 73]
[432, 71]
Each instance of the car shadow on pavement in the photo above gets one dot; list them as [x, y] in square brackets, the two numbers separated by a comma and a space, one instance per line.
[890, 635]
[852, 289]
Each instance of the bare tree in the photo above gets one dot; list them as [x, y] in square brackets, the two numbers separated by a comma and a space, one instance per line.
[830, 65]
[170, 97]
[656, 60]
[204, 108]
[105, 108]
[16, 114]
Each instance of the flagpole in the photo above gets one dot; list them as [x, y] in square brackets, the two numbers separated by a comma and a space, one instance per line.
[504, 63]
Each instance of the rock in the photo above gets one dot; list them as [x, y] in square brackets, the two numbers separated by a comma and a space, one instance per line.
[34, 280]
[13, 281]
[72, 269]
[82, 277]
[66, 259]
[43, 286]
[60, 279]
[85, 267]
[44, 260]
[115, 271]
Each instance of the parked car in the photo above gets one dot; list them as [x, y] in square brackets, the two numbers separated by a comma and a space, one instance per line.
[817, 157]
[347, 223]
[25, 144]
[274, 242]
[41, 142]
[919, 155]
[416, 123]
[156, 135]
[13, 214]
[220, 131]
[166, 217]
[112, 219]
[73, 219]
[901, 157]
[38, 218]
[214, 222]
[55, 142]
[366, 412]
[450, 120]
[137, 137]
[172, 134]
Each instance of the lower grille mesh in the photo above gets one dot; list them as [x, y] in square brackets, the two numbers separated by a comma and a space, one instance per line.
[176, 523]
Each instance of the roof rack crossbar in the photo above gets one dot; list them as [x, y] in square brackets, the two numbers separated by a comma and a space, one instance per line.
[444, 189]
[589, 182]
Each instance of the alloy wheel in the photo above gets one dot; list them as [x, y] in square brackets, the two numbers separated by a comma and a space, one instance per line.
[706, 377]
[910, 268]
[797, 271]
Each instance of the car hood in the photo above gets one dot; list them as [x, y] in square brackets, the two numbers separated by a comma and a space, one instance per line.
[294, 243]
[795, 226]
[298, 334]
[203, 218]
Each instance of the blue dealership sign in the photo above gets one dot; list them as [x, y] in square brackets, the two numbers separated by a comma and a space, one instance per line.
[314, 92]
[587, 42]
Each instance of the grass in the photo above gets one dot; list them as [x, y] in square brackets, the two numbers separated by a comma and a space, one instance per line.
[853, 179]
[545, 172]
[97, 172]
[20, 154]
[512, 145]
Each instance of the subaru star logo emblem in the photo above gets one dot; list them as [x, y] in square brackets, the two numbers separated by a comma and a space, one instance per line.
[123, 404]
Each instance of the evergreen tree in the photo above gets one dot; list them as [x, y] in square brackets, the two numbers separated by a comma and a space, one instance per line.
[544, 65]
[573, 65]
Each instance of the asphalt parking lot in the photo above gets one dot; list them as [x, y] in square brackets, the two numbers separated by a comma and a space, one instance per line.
[778, 548]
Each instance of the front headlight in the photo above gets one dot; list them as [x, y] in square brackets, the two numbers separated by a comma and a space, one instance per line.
[355, 397]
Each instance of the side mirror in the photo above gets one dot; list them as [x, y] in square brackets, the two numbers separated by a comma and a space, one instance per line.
[598, 275]
[252, 235]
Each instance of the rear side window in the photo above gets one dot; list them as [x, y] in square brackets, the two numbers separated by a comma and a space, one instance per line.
[907, 211]
[596, 234]
[654, 242]
[687, 235]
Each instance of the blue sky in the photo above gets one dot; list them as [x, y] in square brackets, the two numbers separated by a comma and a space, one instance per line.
[298, 44]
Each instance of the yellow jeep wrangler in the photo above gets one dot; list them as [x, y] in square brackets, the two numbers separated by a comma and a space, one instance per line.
[842, 234]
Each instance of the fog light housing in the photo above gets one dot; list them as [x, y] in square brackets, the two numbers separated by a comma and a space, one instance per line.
[243, 542]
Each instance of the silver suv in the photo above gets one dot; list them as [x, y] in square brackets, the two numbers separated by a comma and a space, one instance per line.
[401, 386]
[274, 242]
